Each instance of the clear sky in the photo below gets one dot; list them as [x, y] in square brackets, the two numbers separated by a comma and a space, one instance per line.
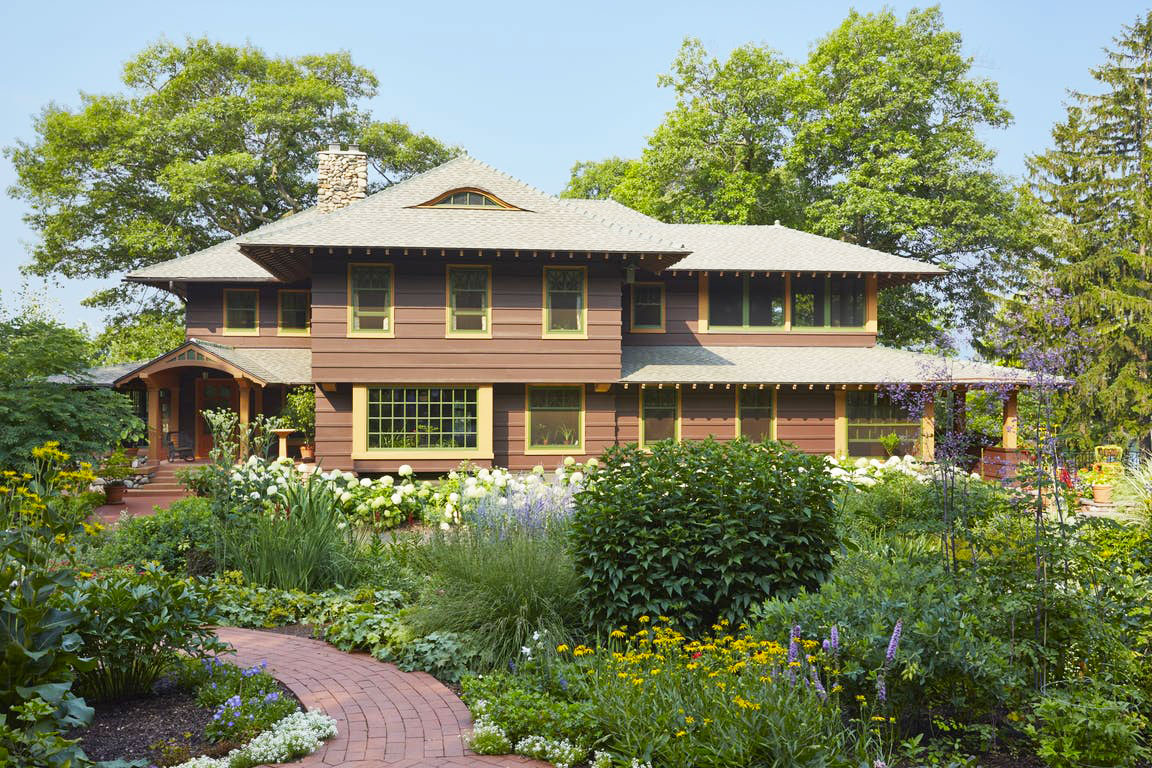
[530, 87]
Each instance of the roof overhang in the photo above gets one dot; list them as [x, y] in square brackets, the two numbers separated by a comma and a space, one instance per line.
[190, 354]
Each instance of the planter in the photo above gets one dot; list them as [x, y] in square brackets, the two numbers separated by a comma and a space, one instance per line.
[307, 452]
[114, 494]
[1102, 494]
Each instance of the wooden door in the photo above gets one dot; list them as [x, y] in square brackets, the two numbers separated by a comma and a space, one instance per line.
[210, 395]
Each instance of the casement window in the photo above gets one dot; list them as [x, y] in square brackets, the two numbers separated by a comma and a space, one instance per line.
[370, 292]
[565, 301]
[872, 419]
[241, 312]
[828, 302]
[659, 415]
[555, 419]
[647, 307]
[422, 417]
[755, 413]
[294, 313]
[745, 301]
[469, 301]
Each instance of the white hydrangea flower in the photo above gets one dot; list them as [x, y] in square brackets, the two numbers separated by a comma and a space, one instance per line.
[569, 461]
[397, 498]
[405, 470]
[365, 482]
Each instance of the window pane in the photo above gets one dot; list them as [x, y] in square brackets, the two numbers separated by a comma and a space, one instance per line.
[469, 298]
[808, 302]
[371, 297]
[872, 421]
[294, 310]
[848, 302]
[240, 310]
[756, 414]
[422, 417]
[565, 299]
[765, 301]
[554, 414]
[659, 414]
[647, 306]
[725, 300]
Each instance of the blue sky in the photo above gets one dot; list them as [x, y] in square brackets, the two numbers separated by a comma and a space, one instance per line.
[531, 87]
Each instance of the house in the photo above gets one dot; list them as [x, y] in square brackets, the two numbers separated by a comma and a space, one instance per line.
[463, 315]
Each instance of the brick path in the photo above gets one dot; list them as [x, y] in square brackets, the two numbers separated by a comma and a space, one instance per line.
[384, 716]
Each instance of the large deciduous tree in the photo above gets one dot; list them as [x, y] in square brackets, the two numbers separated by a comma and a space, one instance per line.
[206, 142]
[873, 139]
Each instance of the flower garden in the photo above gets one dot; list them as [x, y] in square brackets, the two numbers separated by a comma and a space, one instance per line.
[698, 604]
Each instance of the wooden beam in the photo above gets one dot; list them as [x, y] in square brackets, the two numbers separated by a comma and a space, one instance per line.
[1011, 424]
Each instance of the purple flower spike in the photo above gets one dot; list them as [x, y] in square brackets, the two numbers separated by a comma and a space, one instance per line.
[881, 689]
[818, 685]
[834, 638]
[827, 646]
[894, 643]
[794, 646]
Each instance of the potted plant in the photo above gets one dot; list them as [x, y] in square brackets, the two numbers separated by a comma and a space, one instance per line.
[300, 414]
[115, 472]
[1100, 481]
[890, 443]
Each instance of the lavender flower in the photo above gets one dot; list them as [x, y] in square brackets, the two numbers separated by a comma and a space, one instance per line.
[819, 686]
[794, 645]
[881, 689]
[894, 643]
[834, 639]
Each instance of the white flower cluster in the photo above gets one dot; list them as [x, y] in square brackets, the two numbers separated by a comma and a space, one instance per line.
[561, 753]
[385, 501]
[865, 473]
[298, 734]
[487, 738]
[601, 760]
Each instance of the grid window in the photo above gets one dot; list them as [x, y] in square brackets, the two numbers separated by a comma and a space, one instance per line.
[371, 289]
[422, 417]
[468, 299]
[241, 310]
[879, 427]
[555, 416]
[745, 301]
[659, 412]
[647, 306]
[828, 302]
[564, 299]
[295, 311]
[466, 198]
[756, 414]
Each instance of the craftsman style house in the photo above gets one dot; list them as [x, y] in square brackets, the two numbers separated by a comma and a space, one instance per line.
[463, 315]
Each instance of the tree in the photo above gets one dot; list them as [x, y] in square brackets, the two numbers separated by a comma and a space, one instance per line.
[872, 139]
[142, 335]
[1095, 184]
[207, 142]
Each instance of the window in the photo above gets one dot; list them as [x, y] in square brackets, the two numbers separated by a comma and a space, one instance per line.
[469, 294]
[565, 290]
[745, 301]
[241, 312]
[647, 307]
[295, 313]
[659, 415]
[370, 299]
[755, 416]
[879, 427]
[422, 417]
[828, 302]
[555, 418]
[468, 198]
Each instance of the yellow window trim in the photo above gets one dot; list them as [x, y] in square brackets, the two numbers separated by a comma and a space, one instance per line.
[241, 331]
[640, 412]
[546, 312]
[549, 450]
[500, 204]
[483, 449]
[448, 331]
[391, 332]
[280, 329]
[663, 309]
[772, 424]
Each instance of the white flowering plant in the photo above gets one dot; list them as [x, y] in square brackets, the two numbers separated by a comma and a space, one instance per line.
[382, 502]
[296, 735]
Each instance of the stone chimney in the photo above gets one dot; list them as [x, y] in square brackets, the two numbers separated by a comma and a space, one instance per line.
[341, 177]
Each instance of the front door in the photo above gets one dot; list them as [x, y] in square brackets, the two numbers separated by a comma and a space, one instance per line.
[212, 394]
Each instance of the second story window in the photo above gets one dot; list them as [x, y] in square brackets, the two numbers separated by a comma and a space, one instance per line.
[469, 301]
[370, 299]
[241, 312]
[828, 302]
[745, 301]
[647, 307]
[294, 315]
[565, 295]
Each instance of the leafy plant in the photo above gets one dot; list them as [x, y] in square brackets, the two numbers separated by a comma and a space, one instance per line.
[180, 538]
[701, 530]
[891, 443]
[1082, 726]
[116, 468]
[300, 411]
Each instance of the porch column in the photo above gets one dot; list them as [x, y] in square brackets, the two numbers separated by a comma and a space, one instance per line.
[928, 431]
[155, 429]
[1011, 423]
[242, 388]
[841, 405]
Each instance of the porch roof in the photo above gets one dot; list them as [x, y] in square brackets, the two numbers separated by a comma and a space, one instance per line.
[264, 366]
[806, 365]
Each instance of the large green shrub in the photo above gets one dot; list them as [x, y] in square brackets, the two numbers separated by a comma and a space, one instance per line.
[701, 530]
[1084, 726]
[180, 538]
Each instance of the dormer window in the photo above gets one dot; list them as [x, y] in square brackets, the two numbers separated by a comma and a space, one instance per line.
[468, 197]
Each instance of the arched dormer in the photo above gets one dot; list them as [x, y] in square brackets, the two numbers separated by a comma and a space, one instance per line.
[469, 197]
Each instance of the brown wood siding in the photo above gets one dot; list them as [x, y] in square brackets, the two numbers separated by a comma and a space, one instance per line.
[204, 316]
[508, 425]
[420, 353]
[334, 429]
[707, 413]
[627, 415]
[682, 323]
[807, 419]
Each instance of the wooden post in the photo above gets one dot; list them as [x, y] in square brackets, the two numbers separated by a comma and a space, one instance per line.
[242, 387]
[841, 404]
[928, 431]
[155, 431]
[1011, 423]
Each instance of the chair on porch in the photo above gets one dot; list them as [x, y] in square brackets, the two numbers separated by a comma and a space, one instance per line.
[180, 447]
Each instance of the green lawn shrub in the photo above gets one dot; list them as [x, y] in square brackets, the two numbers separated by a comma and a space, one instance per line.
[701, 530]
[1085, 725]
[181, 538]
[523, 707]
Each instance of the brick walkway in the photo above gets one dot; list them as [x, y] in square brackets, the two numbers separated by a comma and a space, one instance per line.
[384, 716]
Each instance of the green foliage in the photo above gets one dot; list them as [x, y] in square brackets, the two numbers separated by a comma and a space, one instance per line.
[1084, 726]
[150, 333]
[34, 410]
[496, 588]
[596, 180]
[207, 141]
[522, 707]
[907, 505]
[300, 411]
[116, 468]
[179, 538]
[446, 655]
[134, 625]
[246, 701]
[701, 530]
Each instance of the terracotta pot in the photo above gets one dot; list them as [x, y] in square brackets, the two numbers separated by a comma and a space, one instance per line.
[1102, 494]
[307, 452]
[114, 494]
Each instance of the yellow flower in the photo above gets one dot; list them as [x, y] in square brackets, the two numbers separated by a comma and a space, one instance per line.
[877, 719]
[689, 719]
[681, 733]
[643, 619]
[617, 634]
[637, 681]
[860, 698]
[562, 648]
